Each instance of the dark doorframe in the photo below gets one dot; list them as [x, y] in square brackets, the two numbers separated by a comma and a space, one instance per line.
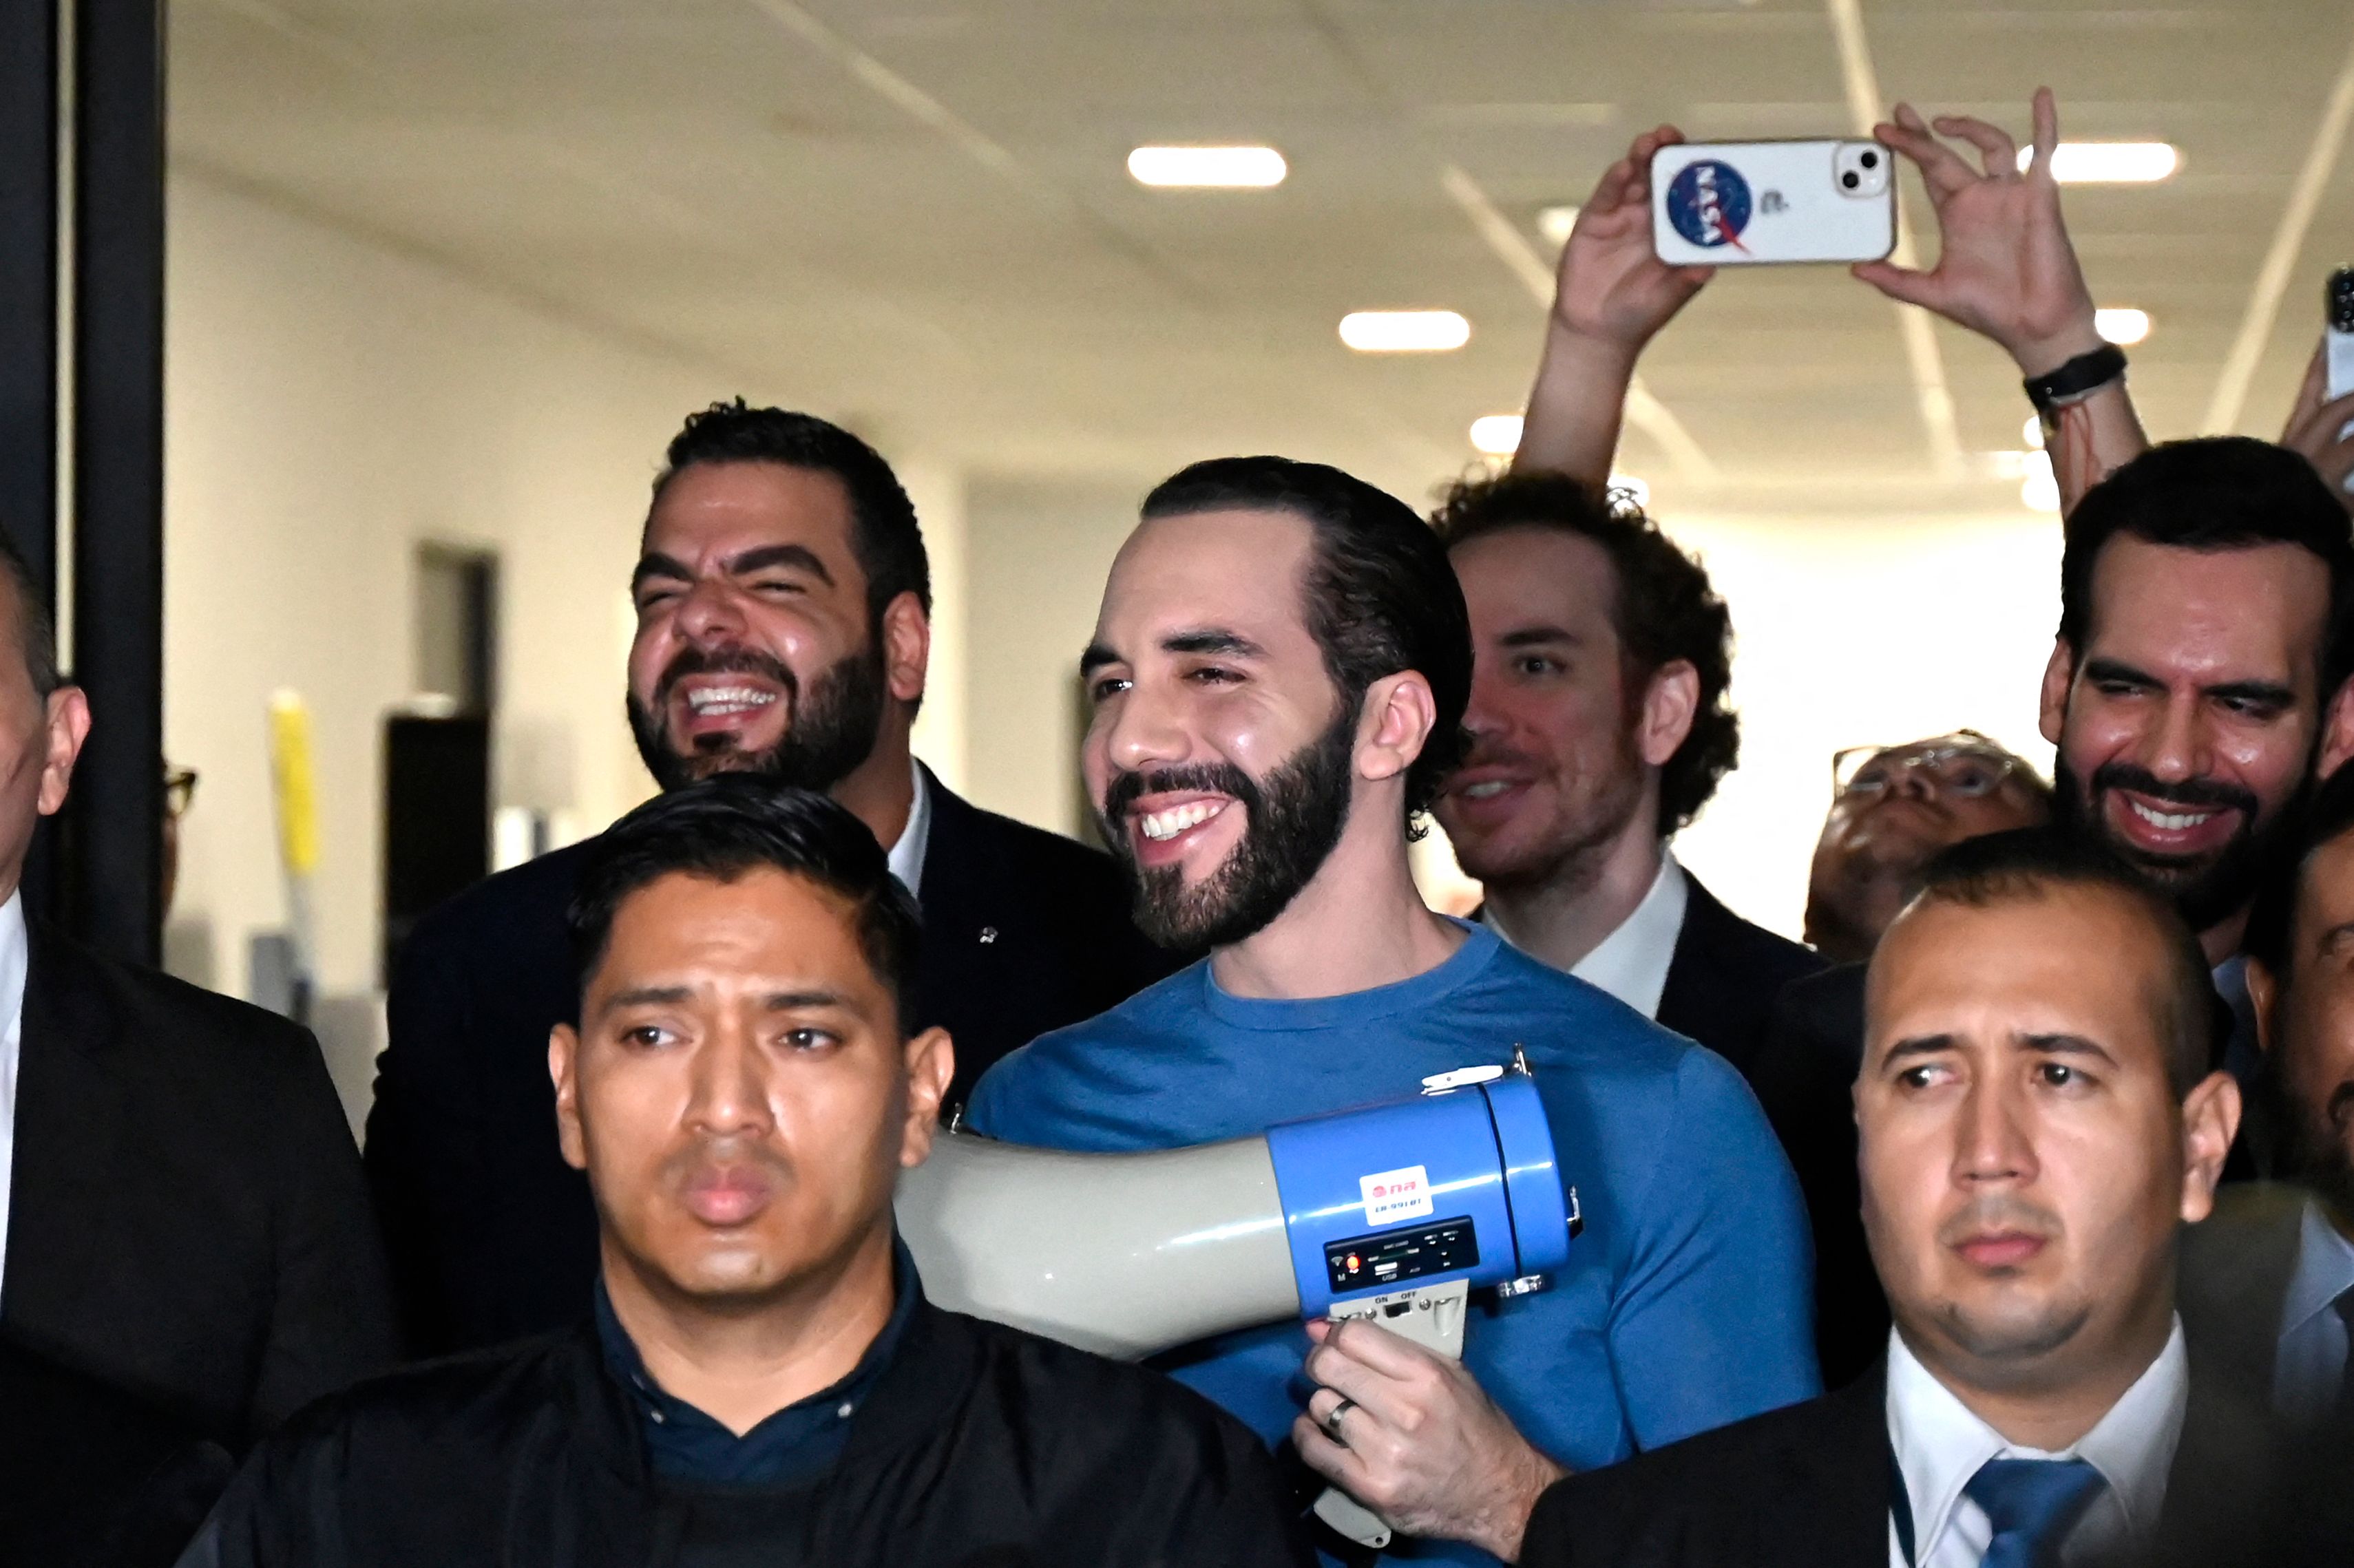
[114, 841]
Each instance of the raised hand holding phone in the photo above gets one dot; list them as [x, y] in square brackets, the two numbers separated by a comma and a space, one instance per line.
[1611, 296]
[2321, 422]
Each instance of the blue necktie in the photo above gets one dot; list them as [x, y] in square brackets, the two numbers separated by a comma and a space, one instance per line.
[2032, 1505]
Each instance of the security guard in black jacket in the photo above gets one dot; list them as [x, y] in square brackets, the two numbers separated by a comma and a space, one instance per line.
[758, 1378]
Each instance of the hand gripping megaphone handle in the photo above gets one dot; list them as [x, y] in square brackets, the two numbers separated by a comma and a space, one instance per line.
[1431, 1317]
[1393, 1211]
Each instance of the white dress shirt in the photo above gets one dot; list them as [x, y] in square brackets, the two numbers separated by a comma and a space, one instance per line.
[2310, 1365]
[907, 855]
[1940, 1444]
[1631, 963]
[12, 1038]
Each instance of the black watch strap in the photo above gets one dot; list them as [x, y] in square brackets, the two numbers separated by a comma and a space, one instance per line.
[2076, 380]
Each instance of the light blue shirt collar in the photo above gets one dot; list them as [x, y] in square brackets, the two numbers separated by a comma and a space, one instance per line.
[2325, 1270]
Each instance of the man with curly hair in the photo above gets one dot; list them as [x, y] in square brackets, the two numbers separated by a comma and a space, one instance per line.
[1599, 726]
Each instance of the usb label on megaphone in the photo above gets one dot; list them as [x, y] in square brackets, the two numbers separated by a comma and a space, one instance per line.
[1401, 1194]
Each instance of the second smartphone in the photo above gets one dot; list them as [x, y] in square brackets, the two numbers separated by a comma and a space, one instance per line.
[1732, 204]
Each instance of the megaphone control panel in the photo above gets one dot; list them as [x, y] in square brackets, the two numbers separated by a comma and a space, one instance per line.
[1475, 1195]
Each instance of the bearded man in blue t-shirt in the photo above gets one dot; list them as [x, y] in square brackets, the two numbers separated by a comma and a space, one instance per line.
[1277, 681]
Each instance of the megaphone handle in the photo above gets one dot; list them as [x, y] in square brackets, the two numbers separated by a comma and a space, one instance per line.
[1352, 1519]
[1432, 1316]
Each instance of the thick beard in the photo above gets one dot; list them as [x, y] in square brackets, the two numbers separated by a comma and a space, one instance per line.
[2206, 895]
[825, 740]
[1292, 822]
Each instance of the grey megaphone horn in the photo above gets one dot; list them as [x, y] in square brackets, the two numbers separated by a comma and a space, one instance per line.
[1395, 1212]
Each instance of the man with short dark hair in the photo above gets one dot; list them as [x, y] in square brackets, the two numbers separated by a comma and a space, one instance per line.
[1600, 725]
[2270, 1279]
[783, 602]
[1278, 674]
[755, 1376]
[2037, 1120]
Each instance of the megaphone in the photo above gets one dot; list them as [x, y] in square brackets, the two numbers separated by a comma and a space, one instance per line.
[1395, 1212]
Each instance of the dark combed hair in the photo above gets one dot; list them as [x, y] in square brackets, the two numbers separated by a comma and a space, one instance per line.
[2214, 493]
[734, 824]
[884, 535]
[1380, 597]
[36, 629]
[2025, 863]
[1662, 607]
[2271, 920]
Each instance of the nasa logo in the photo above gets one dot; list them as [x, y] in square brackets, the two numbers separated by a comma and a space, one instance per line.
[1709, 204]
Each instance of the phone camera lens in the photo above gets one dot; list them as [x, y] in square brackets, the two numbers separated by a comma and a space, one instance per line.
[1870, 160]
[1851, 179]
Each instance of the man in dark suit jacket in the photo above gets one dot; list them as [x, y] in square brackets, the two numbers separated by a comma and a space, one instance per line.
[783, 629]
[1599, 726]
[184, 1212]
[2270, 1280]
[2037, 1115]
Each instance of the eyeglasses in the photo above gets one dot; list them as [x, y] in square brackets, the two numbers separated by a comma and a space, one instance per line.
[179, 789]
[1964, 764]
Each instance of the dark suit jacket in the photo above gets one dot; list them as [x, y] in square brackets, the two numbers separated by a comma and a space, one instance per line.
[187, 1219]
[2233, 1281]
[1804, 1074]
[95, 1477]
[1813, 1484]
[492, 1236]
[1725, 977]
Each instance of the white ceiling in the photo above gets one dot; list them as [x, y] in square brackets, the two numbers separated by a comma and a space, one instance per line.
[915, 213]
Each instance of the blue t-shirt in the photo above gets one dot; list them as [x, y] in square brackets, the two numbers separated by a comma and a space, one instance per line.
[1685, 1304]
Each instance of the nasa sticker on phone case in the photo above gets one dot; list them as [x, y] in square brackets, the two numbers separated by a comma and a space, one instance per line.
[1709, 204]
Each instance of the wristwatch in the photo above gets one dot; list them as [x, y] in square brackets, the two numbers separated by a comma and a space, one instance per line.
[2075, 381]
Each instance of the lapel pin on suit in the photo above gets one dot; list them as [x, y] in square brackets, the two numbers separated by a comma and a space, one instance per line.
[988, 935]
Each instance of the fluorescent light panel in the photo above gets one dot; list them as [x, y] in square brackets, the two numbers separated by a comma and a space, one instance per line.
[1218, 168]
[2122, 324]
[1498, 435]
[1404, 332]
[2110, 163]
[1555, 223]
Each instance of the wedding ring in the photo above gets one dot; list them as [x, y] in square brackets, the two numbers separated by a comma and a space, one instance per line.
[1333, 1418]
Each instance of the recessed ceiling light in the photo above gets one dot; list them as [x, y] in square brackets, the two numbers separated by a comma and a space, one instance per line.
[2122, 325]
[1555, 223]
[1403, 332]
[1637, 491]
[2109, 163]
[1498, 435]
[2031, 434]
[1215, 168]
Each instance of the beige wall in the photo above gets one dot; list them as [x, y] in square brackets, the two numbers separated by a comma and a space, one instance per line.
[329, 404]
[1039, 552]
[1857, 632]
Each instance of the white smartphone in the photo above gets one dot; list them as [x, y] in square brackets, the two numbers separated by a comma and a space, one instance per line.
[2339, 301]
[1732, 204]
